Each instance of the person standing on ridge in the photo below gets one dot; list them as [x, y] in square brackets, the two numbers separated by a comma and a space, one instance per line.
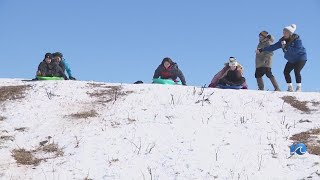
[264, 61]
[294, 52]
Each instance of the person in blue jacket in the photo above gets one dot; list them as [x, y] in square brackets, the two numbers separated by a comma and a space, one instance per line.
[294, 52]
[64, 64]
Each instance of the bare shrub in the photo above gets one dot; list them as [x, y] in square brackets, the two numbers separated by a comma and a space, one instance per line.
[115, 124]
[131, 120]
[113, 160]
[300, 105]
[12, 92]
[85, 114]
[25, 157]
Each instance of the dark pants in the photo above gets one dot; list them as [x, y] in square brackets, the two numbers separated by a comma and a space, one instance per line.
[297, 67]
[261, 71]
[225, 81]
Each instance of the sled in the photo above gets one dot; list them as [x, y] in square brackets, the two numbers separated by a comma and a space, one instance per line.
[49, 78]
[165, 81]
[221, 86]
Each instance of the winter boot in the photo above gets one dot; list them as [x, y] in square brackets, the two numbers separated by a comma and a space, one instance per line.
[275, 84]
[290, 88]
[298, 87]
[260, 84]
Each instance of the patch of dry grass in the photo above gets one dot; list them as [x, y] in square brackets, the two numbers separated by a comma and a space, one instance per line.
[300, 105]
[315, 103]
[21, 129]
[314, 149]
[7, 138]
[12, 92]
[105, 93]
[94, 85]
[85, 114]
[53, 148]
[2, 118]
[310, 138]
[25, 157]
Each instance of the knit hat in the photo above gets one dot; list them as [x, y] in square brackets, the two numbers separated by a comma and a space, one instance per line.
[264, 33]
[233, 63]
[290, 28]
[59, 54]
[232, 59]
[48, 55]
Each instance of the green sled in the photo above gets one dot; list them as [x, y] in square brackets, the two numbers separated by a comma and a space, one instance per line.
[49, 78]
[165, 81]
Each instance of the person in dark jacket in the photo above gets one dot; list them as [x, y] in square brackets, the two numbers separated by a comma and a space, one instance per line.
[58, 61]
[49, 68]
[264, 61]
[233, 76]
[169, 70]
[294, 52]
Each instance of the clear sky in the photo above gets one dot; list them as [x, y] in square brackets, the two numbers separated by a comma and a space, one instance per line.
[125, 41]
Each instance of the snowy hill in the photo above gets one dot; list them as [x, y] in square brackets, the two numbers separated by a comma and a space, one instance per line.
[91, 130]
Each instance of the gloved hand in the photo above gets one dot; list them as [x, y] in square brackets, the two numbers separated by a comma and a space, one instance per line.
[283, 43]
[72, 78]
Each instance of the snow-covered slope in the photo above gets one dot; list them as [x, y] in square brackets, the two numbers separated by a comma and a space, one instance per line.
[114, 131]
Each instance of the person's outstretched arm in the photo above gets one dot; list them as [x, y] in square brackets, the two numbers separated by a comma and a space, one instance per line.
[61, 73]
[42, 69]
[181, 77]
[273, 47]
[67, 67]
[157, 72]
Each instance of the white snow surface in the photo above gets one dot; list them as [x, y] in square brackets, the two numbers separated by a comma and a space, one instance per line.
[156, 132]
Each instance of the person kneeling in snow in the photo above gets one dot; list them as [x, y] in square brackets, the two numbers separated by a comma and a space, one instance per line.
[223, 72]
[169, 70]
[49, 68]
[233, 77]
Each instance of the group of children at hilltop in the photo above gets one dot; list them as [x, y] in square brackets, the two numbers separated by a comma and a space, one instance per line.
[54, 65]
[232, 73]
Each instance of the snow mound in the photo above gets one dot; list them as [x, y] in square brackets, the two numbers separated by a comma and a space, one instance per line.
[95, 130]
